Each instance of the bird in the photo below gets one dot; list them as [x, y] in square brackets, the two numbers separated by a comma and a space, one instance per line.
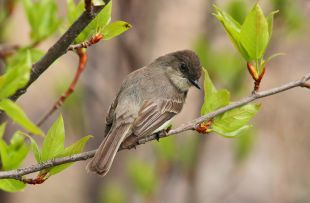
[148, 98]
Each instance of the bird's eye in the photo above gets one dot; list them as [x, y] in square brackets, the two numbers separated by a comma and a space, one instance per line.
[183, 67]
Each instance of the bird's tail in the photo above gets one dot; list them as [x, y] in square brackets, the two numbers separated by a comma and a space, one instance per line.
[102, 161]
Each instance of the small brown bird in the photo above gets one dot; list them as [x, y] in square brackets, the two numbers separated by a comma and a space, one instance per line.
[148, 98]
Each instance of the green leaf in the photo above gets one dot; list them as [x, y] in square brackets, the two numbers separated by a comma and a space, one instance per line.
[11, 185]
[229, 134]
[42, 17]
[254, 35]
[53, 143]
[235, 121]
[35, 149]
[114, 29]
[4, 154]
[75, 148]
[214, 99]
[232, 28]
[270, 23]
[17, 74]
[18, 116]
[12, 155]
[101, 20]
[142, 176]
[3, 148]
[17, 151]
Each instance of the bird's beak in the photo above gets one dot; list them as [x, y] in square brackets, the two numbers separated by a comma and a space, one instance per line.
[195, 83]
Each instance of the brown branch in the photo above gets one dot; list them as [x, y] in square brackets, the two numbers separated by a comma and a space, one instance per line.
[60, 47]
[192, 125]
[82, 64]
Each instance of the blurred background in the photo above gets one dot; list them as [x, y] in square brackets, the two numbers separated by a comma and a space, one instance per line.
[268, 164]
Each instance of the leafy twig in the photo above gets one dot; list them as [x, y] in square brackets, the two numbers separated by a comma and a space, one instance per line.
[192, 125]
[93, 40]
[60, 47]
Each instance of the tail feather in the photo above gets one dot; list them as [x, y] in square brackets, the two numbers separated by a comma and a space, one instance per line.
[102, 161]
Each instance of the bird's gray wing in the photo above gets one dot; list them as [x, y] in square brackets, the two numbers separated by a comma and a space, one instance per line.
[110, 117]
[154, 113]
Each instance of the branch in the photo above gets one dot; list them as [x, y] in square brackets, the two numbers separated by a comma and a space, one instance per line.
[60, 47]
[18, 173]
[82, 63]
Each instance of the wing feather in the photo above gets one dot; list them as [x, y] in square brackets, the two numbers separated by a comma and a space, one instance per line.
[154, 113]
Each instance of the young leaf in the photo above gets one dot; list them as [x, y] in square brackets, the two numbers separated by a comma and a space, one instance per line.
[270, 23]
[254, 34]
[11, 156]
[75, 148]
[214, 99]
[53, 143]
[101, 20]
[229, 134]
[114, 29]
[235, 121]
[17, 151]
[11, 185]
[4, 157]
[232, 28]
[3, 148]
[35, 149]
[18, 115]
[17, 74]
[42, 17]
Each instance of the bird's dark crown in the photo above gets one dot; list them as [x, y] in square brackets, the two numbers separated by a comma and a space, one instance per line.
[188, 63]
[185, 61]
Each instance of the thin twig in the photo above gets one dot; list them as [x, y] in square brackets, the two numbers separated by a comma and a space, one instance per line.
[192, 125]
[93, 40]
[82, 64]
